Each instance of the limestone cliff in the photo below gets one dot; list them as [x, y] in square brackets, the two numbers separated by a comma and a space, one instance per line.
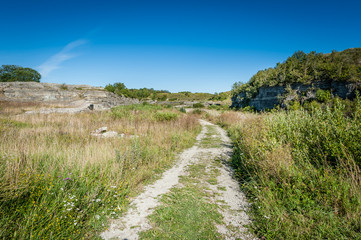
[62, 95]
[269, 97]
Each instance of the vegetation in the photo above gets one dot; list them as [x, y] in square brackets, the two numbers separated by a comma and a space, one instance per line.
[13, 73]
[59, 182]
[306, 68]
[189, 211]
[198, 105]
[164, 95]
[301, 169]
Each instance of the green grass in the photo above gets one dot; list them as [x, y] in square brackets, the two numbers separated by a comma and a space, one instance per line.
[212, 139]
[301, 170]
[186, 212]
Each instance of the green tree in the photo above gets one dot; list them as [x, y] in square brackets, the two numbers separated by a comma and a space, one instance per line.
[13, 73]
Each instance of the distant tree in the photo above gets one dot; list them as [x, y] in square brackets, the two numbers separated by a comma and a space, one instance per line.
[115, 88]
[13, 73]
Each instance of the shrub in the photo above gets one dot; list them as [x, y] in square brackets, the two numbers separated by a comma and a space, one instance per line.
[182, 109]
[63, 86]
[323, 95]
[166, 116]
[198, 105]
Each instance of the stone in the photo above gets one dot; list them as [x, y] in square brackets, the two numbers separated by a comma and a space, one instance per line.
[79, 97]
[101, 130]
[110, 134]
[104, 133]
[269, 97]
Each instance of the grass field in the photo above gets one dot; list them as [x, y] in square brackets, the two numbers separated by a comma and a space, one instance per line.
[301, 170]
[58, 181]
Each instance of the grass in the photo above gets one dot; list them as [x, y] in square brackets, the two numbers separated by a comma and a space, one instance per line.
[57, 181]
[187, 212]
[212, 138]
[301, 171]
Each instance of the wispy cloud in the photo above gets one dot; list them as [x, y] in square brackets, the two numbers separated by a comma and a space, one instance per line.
[56, 60]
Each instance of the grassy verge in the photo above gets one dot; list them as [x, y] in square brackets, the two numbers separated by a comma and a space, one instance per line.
[301, 170]
[57, 181]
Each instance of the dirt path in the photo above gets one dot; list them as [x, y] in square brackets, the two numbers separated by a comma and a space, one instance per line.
[212, 144]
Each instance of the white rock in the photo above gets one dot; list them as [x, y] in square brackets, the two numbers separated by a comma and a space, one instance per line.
[110, 134]
[101, 130]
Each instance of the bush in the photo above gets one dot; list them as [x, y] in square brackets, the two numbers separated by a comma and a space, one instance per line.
[323, 95]
[166, 116]
[197, 111]
[248, 109]
[219, 107]
[198, 105]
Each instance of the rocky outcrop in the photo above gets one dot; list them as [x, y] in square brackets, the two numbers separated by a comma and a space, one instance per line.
[73, 96]
[269, 97]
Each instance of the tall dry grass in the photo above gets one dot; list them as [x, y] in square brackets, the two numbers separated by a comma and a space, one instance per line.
[47, 161]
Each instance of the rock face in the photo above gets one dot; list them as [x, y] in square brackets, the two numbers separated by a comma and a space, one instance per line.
[269, 97]
[63, 95]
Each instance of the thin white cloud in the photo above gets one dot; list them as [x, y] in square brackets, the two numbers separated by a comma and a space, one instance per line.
[56, 60]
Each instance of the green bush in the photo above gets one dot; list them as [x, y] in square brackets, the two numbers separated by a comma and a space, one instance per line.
[323, 95]
[182, 109]
[166, 116]
[219, 107]
[198, 105]
[248, 109]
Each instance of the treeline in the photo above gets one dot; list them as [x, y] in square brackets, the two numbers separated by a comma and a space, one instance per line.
[13, 73]
[306, 68]
[164, 95]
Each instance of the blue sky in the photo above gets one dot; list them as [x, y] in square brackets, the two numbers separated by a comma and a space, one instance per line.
[199, 46]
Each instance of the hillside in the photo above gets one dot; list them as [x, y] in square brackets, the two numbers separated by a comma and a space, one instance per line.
[303, 73]
[61, 95]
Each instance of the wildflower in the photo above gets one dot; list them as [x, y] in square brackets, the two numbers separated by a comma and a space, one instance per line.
[66, 179]
[98, 200]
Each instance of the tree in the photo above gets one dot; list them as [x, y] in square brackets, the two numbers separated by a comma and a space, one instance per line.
[13, 73]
